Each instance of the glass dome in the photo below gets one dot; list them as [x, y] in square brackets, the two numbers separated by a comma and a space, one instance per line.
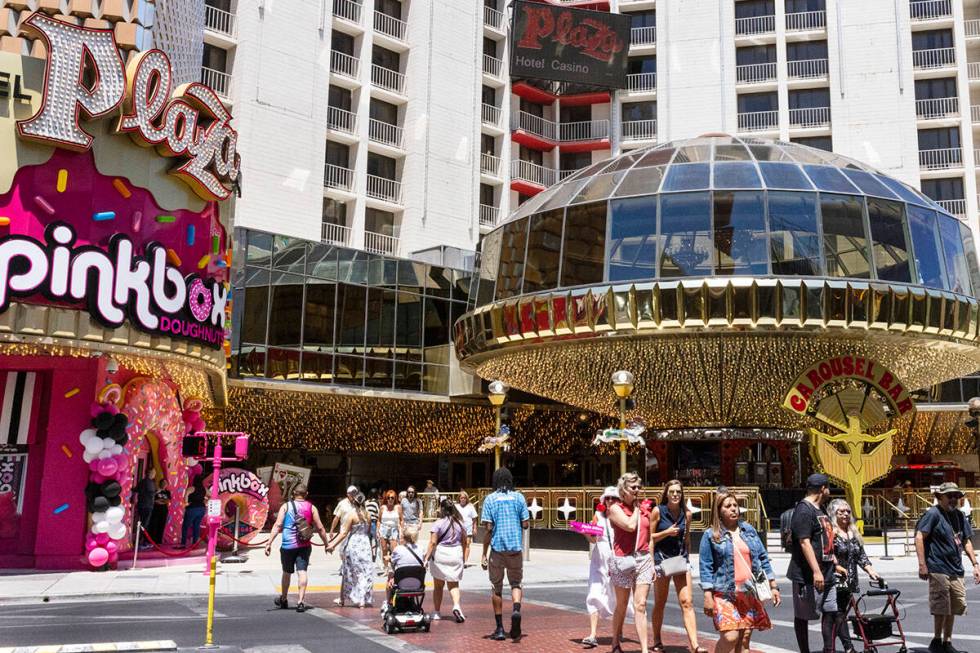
[726, 206]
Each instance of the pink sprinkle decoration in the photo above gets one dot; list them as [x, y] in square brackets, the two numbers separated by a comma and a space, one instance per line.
[43, 203]
[137, 220]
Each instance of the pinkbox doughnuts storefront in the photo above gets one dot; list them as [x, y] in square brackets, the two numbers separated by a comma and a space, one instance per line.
[114, 262]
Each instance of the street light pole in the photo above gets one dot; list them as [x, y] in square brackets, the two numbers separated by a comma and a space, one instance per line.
[497, 395]
[622, 383]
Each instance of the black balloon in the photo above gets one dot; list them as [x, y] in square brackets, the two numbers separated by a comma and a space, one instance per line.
[120, 419]
[111, 489]
[100, 504]
[115, 501]
[103, 421]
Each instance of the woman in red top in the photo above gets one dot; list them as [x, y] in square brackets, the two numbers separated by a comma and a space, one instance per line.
[631, 567]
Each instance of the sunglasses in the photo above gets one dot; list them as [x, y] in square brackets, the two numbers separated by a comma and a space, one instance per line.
[635, 488]
[674, 492]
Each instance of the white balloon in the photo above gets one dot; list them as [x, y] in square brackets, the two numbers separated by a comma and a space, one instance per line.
[101, 527]
[115, 514]
[191, 461]
[97, 517]
[117, 531]
[86, 434]
[93, 445]
[88, 457]
[116, 449]
[105, 453]
[108, 443]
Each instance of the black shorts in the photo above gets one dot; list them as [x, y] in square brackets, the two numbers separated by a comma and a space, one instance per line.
[295, 559]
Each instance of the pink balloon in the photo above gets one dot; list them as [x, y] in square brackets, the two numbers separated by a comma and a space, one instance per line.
[98, 557]
[197, 469]
[108, 466]
[90, 542]
[113, 558]
[112, 408]
[111, 547]
[94, 465]
[102, 539]
[97, 477]
[96, 408]
[199, 424]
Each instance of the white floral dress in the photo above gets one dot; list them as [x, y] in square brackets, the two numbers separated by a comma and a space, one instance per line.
[357, 569]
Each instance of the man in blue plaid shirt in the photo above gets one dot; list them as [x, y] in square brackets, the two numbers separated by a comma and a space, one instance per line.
[504, 518]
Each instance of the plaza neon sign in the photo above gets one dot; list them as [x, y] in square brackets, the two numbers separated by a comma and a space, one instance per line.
[188, 122]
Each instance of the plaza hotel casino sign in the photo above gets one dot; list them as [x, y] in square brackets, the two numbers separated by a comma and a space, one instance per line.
[88, 220]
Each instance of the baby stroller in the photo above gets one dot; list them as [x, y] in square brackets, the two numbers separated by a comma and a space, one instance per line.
[877, 630]
[406, 611]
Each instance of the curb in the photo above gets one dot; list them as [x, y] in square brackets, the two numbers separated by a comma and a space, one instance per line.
[116, 647]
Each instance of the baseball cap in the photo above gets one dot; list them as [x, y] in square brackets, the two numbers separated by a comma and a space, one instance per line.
[817, 480]
[949, 488]
[610, 492]
[352, 489]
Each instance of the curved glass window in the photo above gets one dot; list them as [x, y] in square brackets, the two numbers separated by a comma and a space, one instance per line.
[971, 255]
[891, 243]
[845, 243]
[512, 250]
[687, 176]
[632, 239]
[641, 181]
[736, 175]
[584, 243]
[829, 179]
[866, 182]
[685, 227]
[929, 266]
[901, 189]
[794, 242]
[957, 269]
[489, 264]
[543, 251]
[740, 233]
[784, 175]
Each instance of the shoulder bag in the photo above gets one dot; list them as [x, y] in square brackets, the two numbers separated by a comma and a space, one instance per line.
[626, 565]
[758, 583]
[675, 565]
[304, 530]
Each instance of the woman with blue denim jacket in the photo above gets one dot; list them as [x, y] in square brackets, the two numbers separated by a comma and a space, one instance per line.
[731, 555]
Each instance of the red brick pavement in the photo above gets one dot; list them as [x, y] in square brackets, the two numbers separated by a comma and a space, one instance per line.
[546, 629]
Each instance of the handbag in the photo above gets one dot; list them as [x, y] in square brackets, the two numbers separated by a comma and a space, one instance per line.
[674, 565]
[626, 565]
[758, 583]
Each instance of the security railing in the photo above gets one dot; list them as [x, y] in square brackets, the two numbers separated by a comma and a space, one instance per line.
[489, 164]
[493, 18]
[533, 124]
[386, 78]
[338, 177]
[940, 159]
[802, 21]
[758, 121]
[930, 9]
[532, 173]
[641, 82]
[383, 132]
[639, 130]
[975, 113]
[955, 207]
[335, 234]
[376, 243]
[390, 26]
[488, 215]
[491, 115]
[382, 188]
[344, 64]
[973, 71]
[934, 58]
[341, 120]
[976, 162]
[940, 107]
[810, 117]
[348, 10]
[643, 35]
[218, 81]
[219, 20]
[806, 68]
[755, 25]
[755, 73]
[971, 28]
[492, 65]
[565, 174]
[586, 130]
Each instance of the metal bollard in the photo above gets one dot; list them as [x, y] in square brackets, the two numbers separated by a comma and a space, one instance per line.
[234, 557]
[136, 546]
[884, 534]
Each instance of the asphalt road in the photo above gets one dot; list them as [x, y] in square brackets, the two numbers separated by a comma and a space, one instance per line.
[253, 625]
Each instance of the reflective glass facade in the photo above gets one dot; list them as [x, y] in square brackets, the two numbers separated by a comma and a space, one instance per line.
[308, 311]
[724, 206]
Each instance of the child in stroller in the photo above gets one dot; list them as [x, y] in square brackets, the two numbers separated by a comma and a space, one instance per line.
[406, 588]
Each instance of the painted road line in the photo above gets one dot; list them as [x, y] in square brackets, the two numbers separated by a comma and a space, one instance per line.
[336, 588]
[390, 642]
[117, 647]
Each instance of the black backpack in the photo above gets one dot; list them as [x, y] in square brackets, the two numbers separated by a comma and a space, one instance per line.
[304, 531]
[786, 529]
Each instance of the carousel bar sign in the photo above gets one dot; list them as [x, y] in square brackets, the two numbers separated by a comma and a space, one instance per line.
[846, 367]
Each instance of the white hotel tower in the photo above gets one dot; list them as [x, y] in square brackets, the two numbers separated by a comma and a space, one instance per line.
[393, 126]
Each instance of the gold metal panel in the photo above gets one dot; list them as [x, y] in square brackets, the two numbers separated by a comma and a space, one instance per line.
[512, 320]
[791, 303]
[7, 321]
[718, 302]
[525, 316]
[669, 302]
[603, 309]
[179, 346]
[29, 319]
[646, 309]
[63, 324]
[974, 332]
[879, 306]
[859, 300]
[542, 316]
[580, 311]
[934, 312]
[742, 295]
[560, 306]
[195, 351]
[623, 314]
[89, 330]
[901, 309]
[962, 309]
[835, 296]
[694, 304]
[949, 314]
[135, 338]
[919, 311]
[767, 302]
[813, 304]
[497, 328]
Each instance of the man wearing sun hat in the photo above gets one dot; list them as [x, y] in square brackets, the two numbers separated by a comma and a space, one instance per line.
[941, 536]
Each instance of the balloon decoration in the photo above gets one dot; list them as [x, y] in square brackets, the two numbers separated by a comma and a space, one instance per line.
[193, 422]
[104, 443]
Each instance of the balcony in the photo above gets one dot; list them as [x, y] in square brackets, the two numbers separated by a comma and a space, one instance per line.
[344, 64]
[975, 114]
[639, 130]
[757, 121]
[492, 18]
[491, 115]
[488, 215]
[536, 125]
[492, 65]
[385, 133]
[218, 81]
[381, 188]
[755, 73]
[941, 159]
[390, 80]
[935, 58]
[390, 26]
[805, 21]
[531, 173]
[348, 10]
[921, 10]
[642, 82]
[219, 20]
[806, 68]
[954, 207]
[376, 243]
[338, 177]
[973, 71]
[643, 35]
[811, 118]
[755, 25]
[971, 28]
[335, 234]
[586, 130]
[935, 108]
[341, 120]
[489, 164]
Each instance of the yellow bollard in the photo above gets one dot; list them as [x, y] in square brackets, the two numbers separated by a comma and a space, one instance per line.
[209, 635]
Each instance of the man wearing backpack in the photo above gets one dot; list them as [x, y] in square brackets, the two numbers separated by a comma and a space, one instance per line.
[940, 537]
[297, 520]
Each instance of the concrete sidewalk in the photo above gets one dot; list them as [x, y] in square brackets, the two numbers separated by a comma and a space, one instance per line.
[261, 575]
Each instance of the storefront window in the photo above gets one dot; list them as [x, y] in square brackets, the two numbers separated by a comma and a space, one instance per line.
[259, 250]
[740, 232]
[929, 265]
[794, 242]
[351, 302]
[287, 307]
[845, 241]
[633, 239]
[377, 373]
[584, 244]
[408, 333]
[317, 367]
[349, 370]
[891, 246]
[408, 376]
[685, 229]
[282, 364]
[380, 322]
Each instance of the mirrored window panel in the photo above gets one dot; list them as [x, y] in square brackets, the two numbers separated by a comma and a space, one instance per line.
[685, 229]
[584, 244]
[845, 242]
[740, 233]
[633, 239]
[794, 241]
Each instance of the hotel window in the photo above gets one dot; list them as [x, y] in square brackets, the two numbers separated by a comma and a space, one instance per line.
[338, 154]
[932, 39]
[640, 65]
[633, 111]
[488, 145]
[487, 195]
[489, 95]
[755, 54]
[341, 42]
[754, 8]
[339, 98]
[757, 102]
[643, 19]
[799, 6]
[385, 58]
[811, 98]
[532, 108]
[947, 138]
[381, 166]
[384, 112]
[576, 114]
[334, 211]
[533, 156]
[379, 222]
[950, 188]
[934, 89]
[489, 47]
[819, 142]
[391, 8]
[805, 50]
[215, 58]
[569, 161]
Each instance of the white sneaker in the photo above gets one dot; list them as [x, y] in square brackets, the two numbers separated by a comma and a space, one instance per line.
[436, 616]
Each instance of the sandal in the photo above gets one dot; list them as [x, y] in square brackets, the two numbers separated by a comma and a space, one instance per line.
[590, 642]
[658, 647]
[699, 649]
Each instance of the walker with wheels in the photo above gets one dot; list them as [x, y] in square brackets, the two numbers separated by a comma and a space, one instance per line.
[876, 630]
